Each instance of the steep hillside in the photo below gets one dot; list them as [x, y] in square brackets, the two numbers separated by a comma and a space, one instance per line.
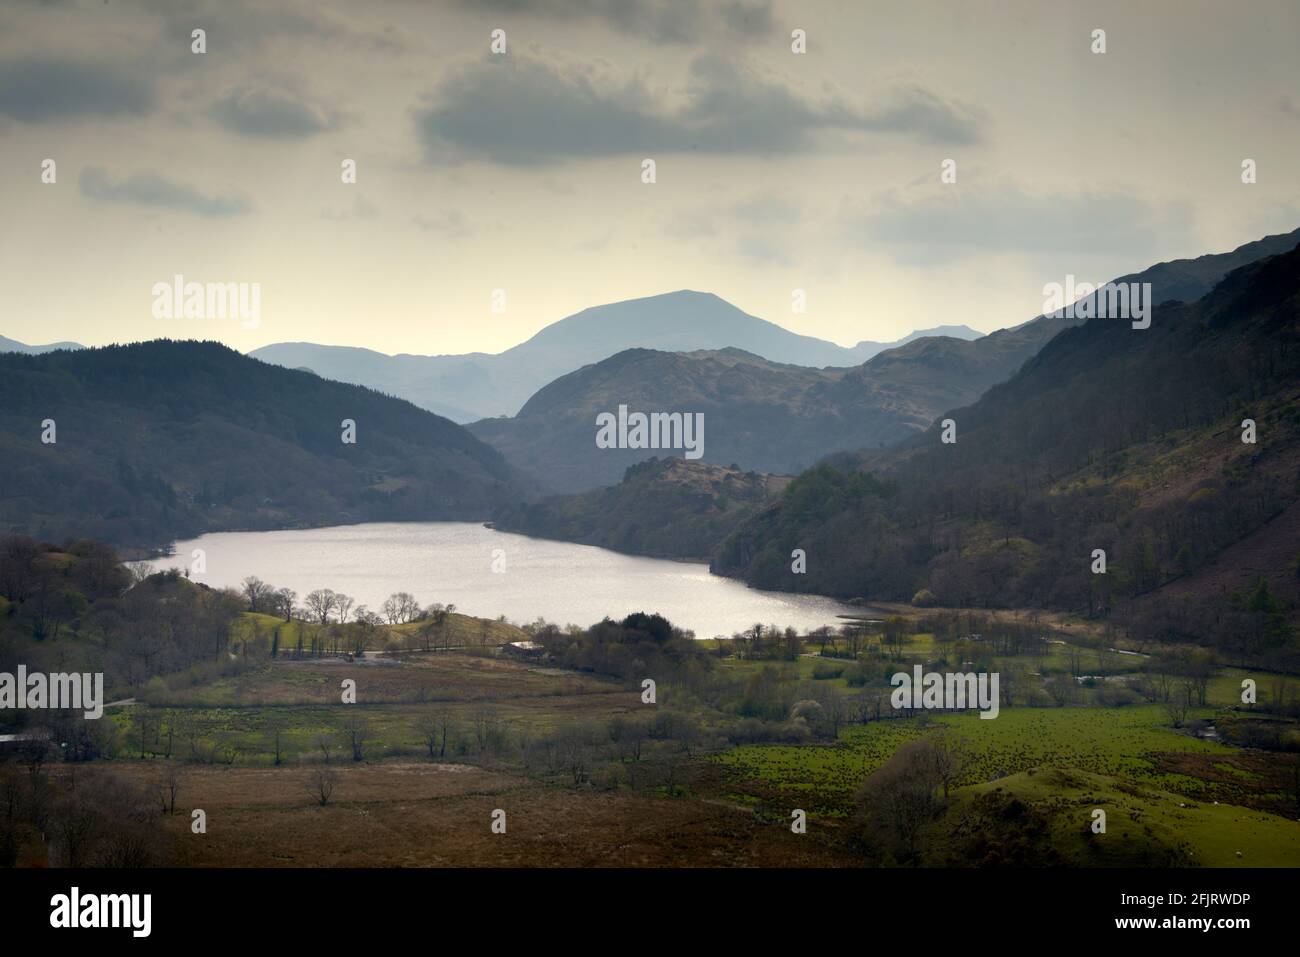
[1110, 438]
[664, 508]
[164, 439]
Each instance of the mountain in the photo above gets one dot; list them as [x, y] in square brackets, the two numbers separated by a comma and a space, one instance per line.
[159, 440]
[1111, 438]
[664, 508]
[776, 418]
[13, 345]
[865, 350]
[757, 414]
[479, 385]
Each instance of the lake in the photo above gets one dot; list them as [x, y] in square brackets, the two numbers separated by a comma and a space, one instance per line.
[452, 562]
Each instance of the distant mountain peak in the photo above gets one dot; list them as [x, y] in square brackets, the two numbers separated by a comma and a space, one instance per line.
[13, 345]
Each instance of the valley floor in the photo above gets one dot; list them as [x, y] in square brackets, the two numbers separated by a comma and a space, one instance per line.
[438, 742]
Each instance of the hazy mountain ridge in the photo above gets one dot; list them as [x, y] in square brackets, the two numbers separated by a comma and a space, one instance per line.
[13, 345]
[778, 418]
[481, 385]
[164, 439]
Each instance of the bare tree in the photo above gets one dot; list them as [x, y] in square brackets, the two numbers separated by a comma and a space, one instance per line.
[1180, 702]
[895, 635]
[321, 784]
[574, 751]
[344, 605]
[399, 607]
[357, 731]
[948, 758]
[257, 592]
[284, 599]
[321, 603]
[77, 819]
[363, 631]
[169, 787]
[434, 729]
[629, 735]
[900, 798]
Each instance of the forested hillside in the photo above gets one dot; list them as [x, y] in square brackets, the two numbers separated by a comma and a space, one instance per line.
[664, 508]
[163, 439]
[1111, 438]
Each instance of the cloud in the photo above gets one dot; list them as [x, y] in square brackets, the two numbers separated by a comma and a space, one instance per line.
[46, 89]
[273, 111]
[767, 209]
[950, 222]
[595, 244]
[148, 188]
[361, 209]
[691, 225]
[250, 24]
[657, 21]
[520, 109]
[449, 222]
[762, 251]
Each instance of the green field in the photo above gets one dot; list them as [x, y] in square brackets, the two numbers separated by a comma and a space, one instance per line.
[1114, 741]
[1145, 826]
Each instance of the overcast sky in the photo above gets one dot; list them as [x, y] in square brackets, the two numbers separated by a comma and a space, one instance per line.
[523, 171]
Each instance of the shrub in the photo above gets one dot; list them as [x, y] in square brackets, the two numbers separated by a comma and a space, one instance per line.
[925, 599]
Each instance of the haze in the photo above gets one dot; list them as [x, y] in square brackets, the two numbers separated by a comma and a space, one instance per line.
[522, 172]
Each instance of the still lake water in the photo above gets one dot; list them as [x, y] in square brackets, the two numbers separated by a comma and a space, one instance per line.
[451, 562]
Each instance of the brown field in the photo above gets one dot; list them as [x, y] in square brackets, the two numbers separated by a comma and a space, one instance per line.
[302, 698]
[409, 679]
[438, 815]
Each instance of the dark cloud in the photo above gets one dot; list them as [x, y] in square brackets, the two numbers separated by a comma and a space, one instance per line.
[273, 111]
[954, 221]
[148, 188]
[657, 21]
[249, 24]
[46, 89]
[522, 109]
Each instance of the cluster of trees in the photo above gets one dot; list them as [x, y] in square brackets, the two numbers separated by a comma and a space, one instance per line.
[638, 647]
[44, 587]
[324, 605]
[81, 819]
[664, 508]
[77, 607]
[903, 797]
[331, 623]
[767, 705]
[645, 750]
[1249, 627]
